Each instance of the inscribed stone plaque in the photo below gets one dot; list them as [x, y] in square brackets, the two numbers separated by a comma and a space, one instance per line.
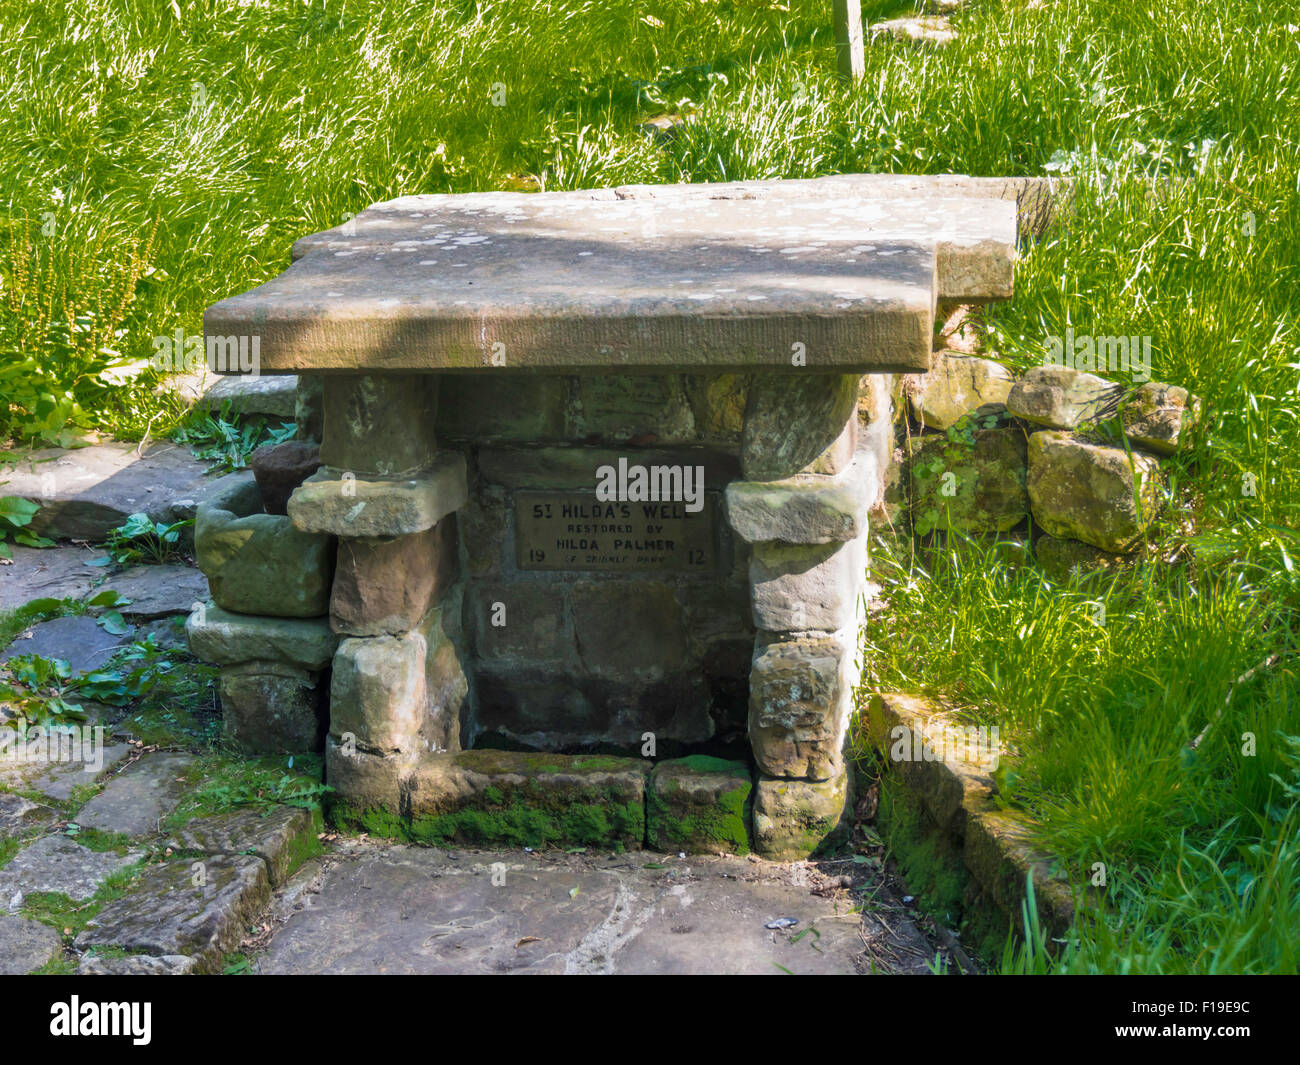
[576, 531]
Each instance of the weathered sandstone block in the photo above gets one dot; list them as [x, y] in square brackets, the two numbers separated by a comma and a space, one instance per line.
[379, 424]
[957, 385]
[260, 564]
[800, 700]
[1157, 416]
[388, 585]
[797, 588]
[226, 639]
[1061, 398]
[521, 620]
[280, 468]
[628, 627]
[536, 800]
[806, 509]
[699, 805]
[1099, 495]
[271, 708]
[398, 694]
[367, 794]
[793, 818]
[801, 422]
[333, 501]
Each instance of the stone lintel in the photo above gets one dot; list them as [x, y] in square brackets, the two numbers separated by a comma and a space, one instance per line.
[338, 502]
[971, 220]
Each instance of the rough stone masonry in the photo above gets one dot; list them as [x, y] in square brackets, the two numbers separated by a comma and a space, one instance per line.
[496, 646]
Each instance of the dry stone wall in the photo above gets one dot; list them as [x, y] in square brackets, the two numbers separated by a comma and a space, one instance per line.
[1067, 459]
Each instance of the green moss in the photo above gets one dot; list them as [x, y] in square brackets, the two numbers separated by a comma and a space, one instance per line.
[537, 763]
[306, 845]
[601, 824]
[532, 824]
[681, 819]
[705, 763]
[372, 820]
[933, 872]
[96, 840]
[61, 965]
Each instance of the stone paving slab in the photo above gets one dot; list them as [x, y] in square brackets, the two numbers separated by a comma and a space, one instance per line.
[561, 913]
[79, 641]
[57, 863]
[87, 492]
[138, 965]
[159, 591]
[25, 945]
[168, 913]
[566, 281]
[278, 835]
[20, 816]
[47, 573]
[58, 780]
[138, 798]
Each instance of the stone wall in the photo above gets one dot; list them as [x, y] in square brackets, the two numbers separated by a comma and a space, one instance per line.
[1056, 463]
[579, 661]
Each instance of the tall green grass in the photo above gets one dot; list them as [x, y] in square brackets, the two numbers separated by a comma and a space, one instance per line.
[239, 126]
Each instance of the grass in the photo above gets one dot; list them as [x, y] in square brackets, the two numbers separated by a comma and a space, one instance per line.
[206, 136]
[226, 783]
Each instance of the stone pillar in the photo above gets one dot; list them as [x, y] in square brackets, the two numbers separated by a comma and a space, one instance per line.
[390, 497]
[803, 508]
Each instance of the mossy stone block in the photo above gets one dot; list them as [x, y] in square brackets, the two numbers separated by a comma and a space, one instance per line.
[699, 805]
[513, 798]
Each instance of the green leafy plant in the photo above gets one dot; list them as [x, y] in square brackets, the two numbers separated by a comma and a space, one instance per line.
[46, 689]
[16, 514]
[40, 689]
[141, 539]
[226, 440]
[67, 302]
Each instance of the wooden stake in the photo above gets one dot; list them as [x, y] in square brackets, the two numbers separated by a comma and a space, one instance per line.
[848, 40]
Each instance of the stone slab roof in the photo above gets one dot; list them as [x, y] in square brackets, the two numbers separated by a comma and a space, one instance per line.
[676, 278]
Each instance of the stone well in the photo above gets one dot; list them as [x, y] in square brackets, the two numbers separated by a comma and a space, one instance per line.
[594, 470]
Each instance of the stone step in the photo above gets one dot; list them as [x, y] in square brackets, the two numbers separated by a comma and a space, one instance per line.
[282, 836]
[698, 804]
[201, 909]
[57, 863]
[135, 801]
[529, 799]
